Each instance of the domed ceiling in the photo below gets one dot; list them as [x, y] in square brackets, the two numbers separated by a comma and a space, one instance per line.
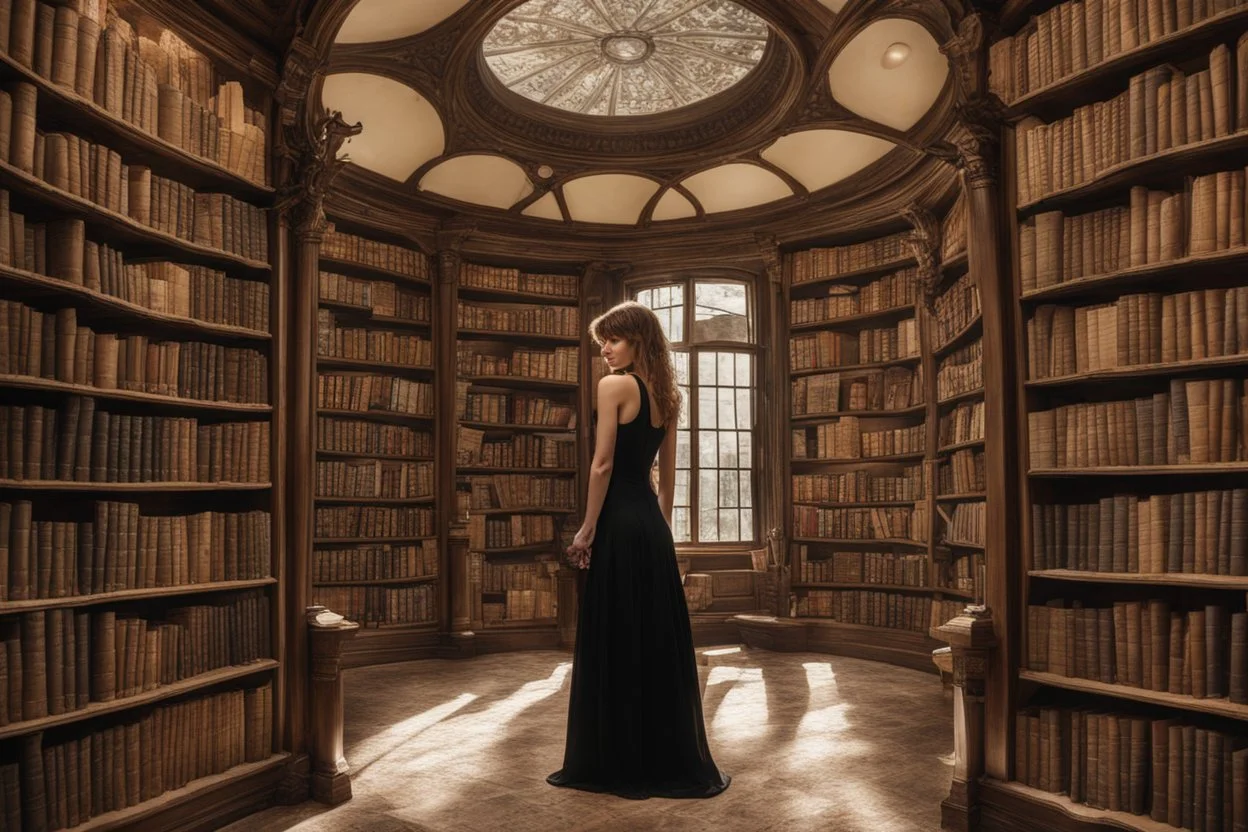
[627, 113]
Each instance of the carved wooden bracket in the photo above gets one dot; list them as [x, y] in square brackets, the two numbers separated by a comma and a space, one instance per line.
[313, 153]
[973, 143]
[769, 252]
[449, 243]
[924, 243]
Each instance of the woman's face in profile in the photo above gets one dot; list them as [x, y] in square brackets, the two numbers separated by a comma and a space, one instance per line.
[617, 352]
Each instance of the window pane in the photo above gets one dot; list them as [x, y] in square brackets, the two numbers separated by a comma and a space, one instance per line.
[706, 408]
[744, 362]
[726, 367]
[708, 448]
[680, 524]
[682, 489]
[707, 368]
[728, 449]
[747, 490]
[669, 306]
[728, 488]
[727, 408]
[747, 525]
[721, 312]
[745, 419]
[680, 360]
[684, 457]
[745, 449]
[729, 525]
[725, 443]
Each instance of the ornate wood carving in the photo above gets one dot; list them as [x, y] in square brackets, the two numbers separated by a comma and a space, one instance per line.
[924, 243]
[978, 115]
[313, 154]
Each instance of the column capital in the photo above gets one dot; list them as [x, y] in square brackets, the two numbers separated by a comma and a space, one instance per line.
[971, 636]
[312, 150]
[923, 240]
[769, 253]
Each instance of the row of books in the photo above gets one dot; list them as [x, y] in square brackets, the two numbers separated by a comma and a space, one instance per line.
[861, 567]
[1146, 328]
[1194, 532]
[486, 532]
[520, 491]
[386, 479]
[517, 409]
[902, 611]
[961, 371]
[380, 298]
[53, 345]
[384, 346]
[477, 276]
[853, 523]
[521, 605]
[962, 473]
[540, 575]
[955, 309]
[520, 318]
[844, 438]
[375, 563]
[1076, 36]
[1200, 652]
[1162, 108]
[893, 388]
[122, 548]
[518, 451]
[1194, 421]
[62, 660]
[858, 487]
[964, 572]
[967, 523]
[62, 784]
[1171, 770]
[352, 248]
[962, 423]
[813, 350]
[352, 436]
[80, 442]
[559, 364]
[364, 392]
[891, 291]
[380, 606]
[373, 521]
[821, 263]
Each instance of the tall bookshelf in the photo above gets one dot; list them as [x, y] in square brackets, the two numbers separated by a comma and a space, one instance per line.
[136, 475]
[1128, 274]
[863, 578]
[376, 551]
[517, 484]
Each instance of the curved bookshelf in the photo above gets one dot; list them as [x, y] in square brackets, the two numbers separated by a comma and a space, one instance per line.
[512, 335]
[1143, 371]
[32, 604]
[1216, 706]
[112, 394]
[378, 581]
[847, 368]
[864, 459]
[853, 320]
[857, 274]
[1134, 278]
[1235, 583]
[510, 426]
[129, 487]
[353, 268]
[808, 418]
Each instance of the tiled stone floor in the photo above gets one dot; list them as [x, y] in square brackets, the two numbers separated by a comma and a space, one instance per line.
[813, 742]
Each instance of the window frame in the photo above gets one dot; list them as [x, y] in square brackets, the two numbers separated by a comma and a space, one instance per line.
[689, 281]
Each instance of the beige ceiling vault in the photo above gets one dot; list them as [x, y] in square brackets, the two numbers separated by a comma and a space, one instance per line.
[616, 198]
[819, 158]
[834, 5]
[735, 185]
[377, 20]
[402, 130]
[898, 97]
[479, 178]
[673, 205]
[546, 208]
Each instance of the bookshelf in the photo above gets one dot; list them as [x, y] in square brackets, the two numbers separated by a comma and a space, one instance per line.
[517, 484]
[376, 556]
[1124, 173]
[137, 368]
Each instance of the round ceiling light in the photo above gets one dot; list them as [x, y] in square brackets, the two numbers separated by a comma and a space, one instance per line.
[895, 55]
[545, 171]
[617, 58]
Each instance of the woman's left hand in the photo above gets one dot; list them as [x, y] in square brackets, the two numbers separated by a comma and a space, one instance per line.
[584, 537]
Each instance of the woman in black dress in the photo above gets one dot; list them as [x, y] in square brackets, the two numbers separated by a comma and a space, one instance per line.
[635, 724]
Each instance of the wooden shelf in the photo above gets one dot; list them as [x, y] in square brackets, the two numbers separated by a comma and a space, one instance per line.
[516, 295]
[53, 386]
[923, 590]
[959, 262]
[521, 624]
[1220, 707]
[1237, 583]
[851, 320]
[380, 630]
[965, 594]
[1141, 470]
[129, 487]
[378, 581]
[860, 460]
[351, 268]
[522, 510]
[375, 541]
[350, 310]
[521, 382]
[1080, 88]
[389, 457]
[368, 364]
[487, 469]
[120, 595]
[965, 395]
[1085, 817]
[962, 544]
[550, 546]
[63, 108]
[962, 337]
[861, 414]
[869, 504]
[38, 285]
[500, 426]
[1142, 371]
[874, 541]
[514, 335]
[395, 501]
[1160, 275]
[141, 240]
[131, 815]
[125, 703]
[1168, 168]
[957, 446]
[869, 271]
[850, 368]
[957, 498]
[376, 415]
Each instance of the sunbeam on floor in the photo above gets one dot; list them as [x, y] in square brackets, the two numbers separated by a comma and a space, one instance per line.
[813, 742]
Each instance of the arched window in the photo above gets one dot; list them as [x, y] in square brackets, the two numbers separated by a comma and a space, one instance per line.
[710, 324]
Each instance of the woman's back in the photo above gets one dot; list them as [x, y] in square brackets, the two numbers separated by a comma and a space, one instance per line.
[637, 443]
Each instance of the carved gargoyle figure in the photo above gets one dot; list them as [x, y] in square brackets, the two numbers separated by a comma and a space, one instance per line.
[317, 163]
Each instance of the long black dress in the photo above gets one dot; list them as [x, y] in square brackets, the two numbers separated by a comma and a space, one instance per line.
[635, 717]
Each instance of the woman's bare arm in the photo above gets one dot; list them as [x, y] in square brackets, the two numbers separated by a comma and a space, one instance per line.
[667, 473]
[612, 390]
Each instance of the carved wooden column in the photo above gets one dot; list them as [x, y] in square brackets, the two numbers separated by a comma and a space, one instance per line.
[308, 145]
[975, 151]
[971, 639]
[328, 632]
[772, 415]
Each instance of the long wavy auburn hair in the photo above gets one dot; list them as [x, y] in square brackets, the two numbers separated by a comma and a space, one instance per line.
[652, 355]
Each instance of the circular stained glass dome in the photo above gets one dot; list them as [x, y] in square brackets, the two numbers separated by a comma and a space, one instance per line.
[624, 57]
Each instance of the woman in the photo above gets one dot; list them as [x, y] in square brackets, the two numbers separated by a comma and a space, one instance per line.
[635, 717]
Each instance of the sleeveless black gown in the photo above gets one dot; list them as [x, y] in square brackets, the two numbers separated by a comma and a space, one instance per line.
[635, 724]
